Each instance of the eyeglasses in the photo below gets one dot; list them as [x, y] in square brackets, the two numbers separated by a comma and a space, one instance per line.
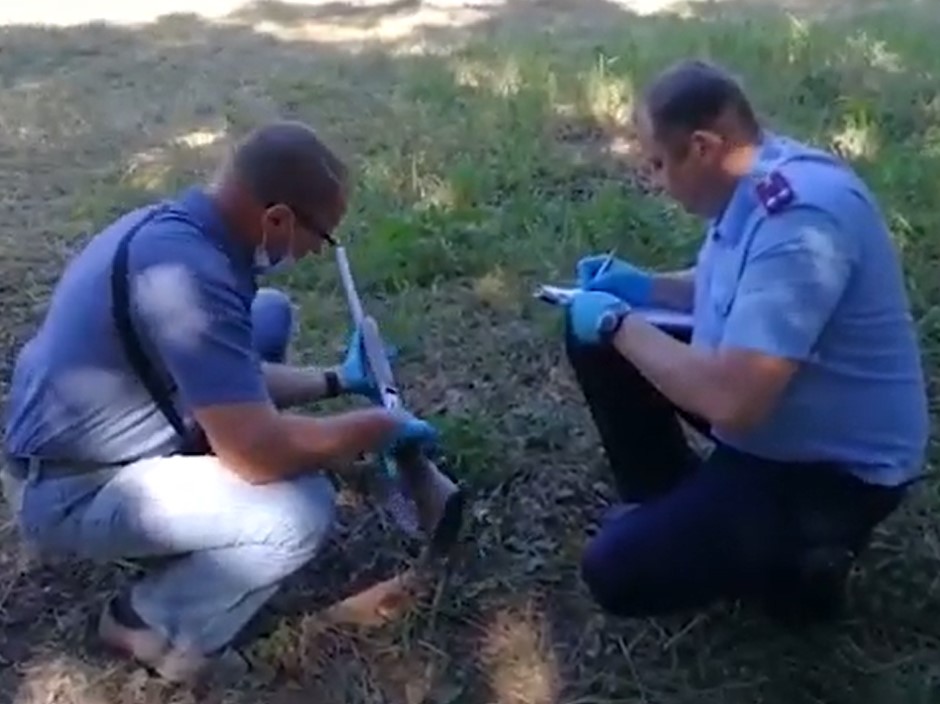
[309, 224]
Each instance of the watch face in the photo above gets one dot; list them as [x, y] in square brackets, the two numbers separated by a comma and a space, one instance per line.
[609, 321]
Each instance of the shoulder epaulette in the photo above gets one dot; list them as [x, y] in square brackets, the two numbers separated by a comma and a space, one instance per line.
[774, 192]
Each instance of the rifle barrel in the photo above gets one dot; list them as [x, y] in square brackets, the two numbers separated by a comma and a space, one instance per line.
[349, 286]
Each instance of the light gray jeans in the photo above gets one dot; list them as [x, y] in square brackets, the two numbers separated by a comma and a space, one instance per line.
[231, 543]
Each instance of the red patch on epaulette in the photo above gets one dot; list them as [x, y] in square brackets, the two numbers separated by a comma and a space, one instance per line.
[774, 192]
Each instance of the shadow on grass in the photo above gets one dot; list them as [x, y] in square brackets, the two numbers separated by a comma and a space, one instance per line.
[482, 169]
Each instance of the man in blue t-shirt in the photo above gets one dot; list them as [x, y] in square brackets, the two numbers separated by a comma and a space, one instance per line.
[802, 365]
[97, 469]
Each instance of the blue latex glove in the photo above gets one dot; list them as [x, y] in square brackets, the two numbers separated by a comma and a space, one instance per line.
[355, 375]
[411, 430]
[590, 310]
[621, 279]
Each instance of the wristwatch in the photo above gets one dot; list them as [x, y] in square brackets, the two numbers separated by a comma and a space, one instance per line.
[611, 320]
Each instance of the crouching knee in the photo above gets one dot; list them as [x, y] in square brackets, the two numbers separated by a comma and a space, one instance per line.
[272, 324]
[606, 582]
[614, 574]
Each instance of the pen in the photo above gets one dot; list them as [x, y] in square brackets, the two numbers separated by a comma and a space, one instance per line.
[605, 265]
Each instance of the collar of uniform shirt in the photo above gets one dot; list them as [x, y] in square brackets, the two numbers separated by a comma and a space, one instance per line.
[729, 224]
[199, 205]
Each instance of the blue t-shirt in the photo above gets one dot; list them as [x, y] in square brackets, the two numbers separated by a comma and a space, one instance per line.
[74, 395]
[801, 265]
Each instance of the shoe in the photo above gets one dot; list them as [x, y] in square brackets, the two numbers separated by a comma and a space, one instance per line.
[818, 594]
[174, 663]
[823, 580]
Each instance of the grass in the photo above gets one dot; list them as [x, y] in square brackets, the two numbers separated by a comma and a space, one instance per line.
[484, 165]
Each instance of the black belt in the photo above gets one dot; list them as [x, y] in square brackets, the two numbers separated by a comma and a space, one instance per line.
[20, 468]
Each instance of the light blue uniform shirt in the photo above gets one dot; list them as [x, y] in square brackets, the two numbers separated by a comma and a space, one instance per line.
[801, 265]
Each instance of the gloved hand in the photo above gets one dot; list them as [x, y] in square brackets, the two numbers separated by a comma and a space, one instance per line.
[621, 279]
[355, 376]
[591, 311]
[411, 431]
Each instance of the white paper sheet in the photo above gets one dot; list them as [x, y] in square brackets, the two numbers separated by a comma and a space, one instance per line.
[556, 295]
[661, 317]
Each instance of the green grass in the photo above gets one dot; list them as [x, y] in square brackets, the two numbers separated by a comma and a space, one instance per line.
[496, 176]
[481, 171]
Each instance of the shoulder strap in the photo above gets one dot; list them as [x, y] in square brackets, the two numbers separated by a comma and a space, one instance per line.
[121, 310]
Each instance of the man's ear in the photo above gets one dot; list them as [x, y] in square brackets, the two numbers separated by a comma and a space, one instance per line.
[705, 145]
[280, 217]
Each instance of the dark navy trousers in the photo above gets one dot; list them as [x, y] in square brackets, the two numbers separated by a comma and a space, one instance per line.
[689, 532]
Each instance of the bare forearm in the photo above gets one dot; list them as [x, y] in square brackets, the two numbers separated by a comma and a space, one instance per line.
[293, 386]
[339, 438]
[290, 445]
[693, 380]
[263, 445]
[674, 290]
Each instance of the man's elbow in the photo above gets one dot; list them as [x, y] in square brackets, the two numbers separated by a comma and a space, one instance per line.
[736, 414]
[745, 387]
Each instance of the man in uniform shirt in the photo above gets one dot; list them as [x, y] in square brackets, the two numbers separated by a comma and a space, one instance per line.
[157, 347]
[803, 367]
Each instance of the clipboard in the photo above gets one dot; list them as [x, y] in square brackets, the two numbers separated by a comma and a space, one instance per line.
[660, 317]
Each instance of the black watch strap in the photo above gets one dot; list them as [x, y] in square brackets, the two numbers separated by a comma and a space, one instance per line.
[333, 388]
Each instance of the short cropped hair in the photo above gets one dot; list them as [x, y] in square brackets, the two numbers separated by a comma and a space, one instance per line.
[693, 95]
[286, 162]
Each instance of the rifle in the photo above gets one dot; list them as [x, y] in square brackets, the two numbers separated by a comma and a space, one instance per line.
[420, 497]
